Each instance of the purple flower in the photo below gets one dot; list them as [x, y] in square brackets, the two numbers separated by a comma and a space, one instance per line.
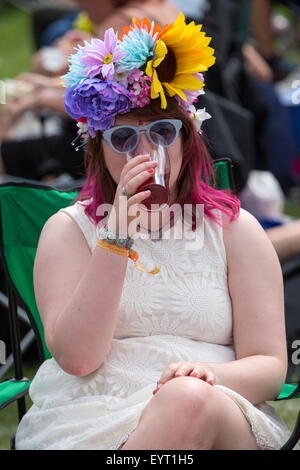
[99, 57]
[98, 101]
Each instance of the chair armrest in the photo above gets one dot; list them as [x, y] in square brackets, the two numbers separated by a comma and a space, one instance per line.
[12, 390]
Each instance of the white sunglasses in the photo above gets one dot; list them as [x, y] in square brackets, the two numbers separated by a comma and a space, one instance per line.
[126, 138]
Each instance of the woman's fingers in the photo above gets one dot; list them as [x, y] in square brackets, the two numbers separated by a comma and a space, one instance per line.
[169, 372]
[138, 169]
[135, 184]
[182, 369]
[203, 374]
[135, 173]
[134, 162]
[138, 198]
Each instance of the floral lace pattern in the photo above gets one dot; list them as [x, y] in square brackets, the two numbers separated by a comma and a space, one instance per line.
[183, 313]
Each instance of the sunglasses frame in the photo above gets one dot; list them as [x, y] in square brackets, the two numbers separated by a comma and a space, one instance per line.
[108, 133]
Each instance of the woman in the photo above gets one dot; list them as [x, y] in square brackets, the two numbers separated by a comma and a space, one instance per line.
[139, 354]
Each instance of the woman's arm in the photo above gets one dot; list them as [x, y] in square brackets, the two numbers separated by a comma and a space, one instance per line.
[262, 26]
[256, 289]
[77, 295]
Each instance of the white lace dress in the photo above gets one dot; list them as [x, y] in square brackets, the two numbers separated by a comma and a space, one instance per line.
[181, 314]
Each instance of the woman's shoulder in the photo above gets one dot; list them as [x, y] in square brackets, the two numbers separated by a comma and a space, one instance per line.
[245, 237]
[61, 223]
[245, 223]
[68, 223]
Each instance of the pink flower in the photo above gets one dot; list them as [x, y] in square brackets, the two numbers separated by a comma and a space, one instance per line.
[99, 57]
[139, 87]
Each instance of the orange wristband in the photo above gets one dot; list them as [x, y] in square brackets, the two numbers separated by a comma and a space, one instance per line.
[131, 254]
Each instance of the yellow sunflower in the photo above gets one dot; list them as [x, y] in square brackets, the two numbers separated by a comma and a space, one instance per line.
[180, 53]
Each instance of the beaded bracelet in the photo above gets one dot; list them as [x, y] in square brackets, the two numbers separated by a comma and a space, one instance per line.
[119, 240]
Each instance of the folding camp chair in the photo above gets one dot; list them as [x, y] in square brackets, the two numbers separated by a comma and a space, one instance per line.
[24, 209]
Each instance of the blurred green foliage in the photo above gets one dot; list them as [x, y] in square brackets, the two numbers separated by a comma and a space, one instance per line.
[15, 41]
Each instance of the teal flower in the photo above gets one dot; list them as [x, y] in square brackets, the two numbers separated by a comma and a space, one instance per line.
[76, 74]
[139, 46]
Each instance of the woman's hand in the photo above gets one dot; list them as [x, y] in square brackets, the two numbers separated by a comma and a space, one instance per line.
[193, 369]
[258, 66]
[12, 111]
[6, 119]
[134, 173]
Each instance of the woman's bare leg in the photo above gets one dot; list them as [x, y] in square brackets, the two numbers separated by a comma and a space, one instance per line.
[187, 413]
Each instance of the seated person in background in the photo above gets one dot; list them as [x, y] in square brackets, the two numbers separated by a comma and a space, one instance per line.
[263, 32]
[154, 345]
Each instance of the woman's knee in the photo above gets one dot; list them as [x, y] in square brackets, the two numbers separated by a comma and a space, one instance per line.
[191, 398]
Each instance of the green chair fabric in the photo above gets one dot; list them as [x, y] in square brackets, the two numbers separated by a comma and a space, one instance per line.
[11, 390]
[289, 391]
[224, 174]
[24, 210]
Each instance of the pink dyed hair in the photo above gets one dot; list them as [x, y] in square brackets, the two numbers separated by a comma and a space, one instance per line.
[196, 181]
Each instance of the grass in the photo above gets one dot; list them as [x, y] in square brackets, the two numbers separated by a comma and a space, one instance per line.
[292, 209]
[15, 42]
[9, 415]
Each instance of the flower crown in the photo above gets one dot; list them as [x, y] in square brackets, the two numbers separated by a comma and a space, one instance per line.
[114, 76]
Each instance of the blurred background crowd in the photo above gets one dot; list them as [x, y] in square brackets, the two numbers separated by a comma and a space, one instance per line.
[252, 94]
